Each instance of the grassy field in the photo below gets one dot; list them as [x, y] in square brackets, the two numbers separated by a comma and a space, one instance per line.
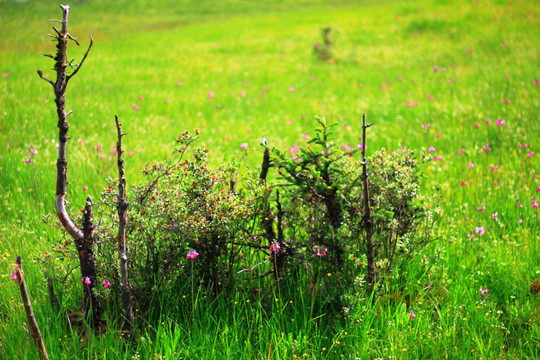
[456, 80]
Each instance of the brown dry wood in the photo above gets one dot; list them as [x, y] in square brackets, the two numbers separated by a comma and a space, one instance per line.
[368, 223]
[34, 328]
[83, 238]
[265, 165]
[122, 206]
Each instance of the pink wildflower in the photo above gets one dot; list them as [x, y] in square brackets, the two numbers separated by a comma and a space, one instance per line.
[210, 94]
[13, 276]
[480, 230]
[495, 215]
[431, 149]
[531, 154]
[85, 188]
[483, 291]
[242, 94]
[412, 315]
[244, 145]
[28, 161]
[180, 83]
[425, 126]
[192, 254]
[471, 165]
[535, 81]
[86, 280]
[291, 89]
[32, 151]
[106, 283]
[275, 247]
[500, 122]
[97, 147]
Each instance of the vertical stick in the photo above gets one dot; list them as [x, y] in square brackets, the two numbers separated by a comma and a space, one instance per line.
[34, 328]
[122, 206]
[372, 275]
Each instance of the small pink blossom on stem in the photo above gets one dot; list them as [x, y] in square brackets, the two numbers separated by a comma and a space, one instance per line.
[192, 254]
[85, 188]
[412, 315]
[500, 122]
[244, 145]
[292, 89]
[97, 147]
[531, 154]
[431, 149]
[13, 276]
[28, 161]
[483, 291]
[32, 151]
[86, 280]
[275, 247]
[471, 165]
[106, 283]
[210, 94]
[495, 215]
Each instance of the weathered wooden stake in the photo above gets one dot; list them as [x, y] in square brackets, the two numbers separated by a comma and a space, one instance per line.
[34, 328]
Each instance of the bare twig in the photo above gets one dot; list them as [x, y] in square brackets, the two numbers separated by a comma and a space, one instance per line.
[122, 206]
[34, 328]
[368, 224]
[82, 61]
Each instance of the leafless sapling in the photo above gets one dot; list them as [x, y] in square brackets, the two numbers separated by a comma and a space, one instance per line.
[368, 223]
[122, 206]
[83, 238]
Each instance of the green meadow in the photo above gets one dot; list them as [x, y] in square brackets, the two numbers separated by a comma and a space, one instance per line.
[456, 81]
